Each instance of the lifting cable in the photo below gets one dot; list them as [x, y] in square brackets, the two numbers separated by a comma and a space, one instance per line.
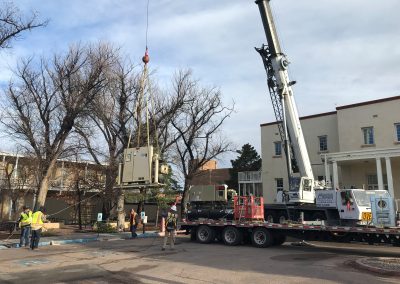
[142, 88]
[145, 97]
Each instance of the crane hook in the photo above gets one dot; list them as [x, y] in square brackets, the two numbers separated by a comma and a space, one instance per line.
[146, 57]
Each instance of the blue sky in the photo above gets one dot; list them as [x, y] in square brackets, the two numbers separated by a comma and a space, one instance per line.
[342, 52]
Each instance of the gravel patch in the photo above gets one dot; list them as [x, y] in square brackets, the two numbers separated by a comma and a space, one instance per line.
[386, 265]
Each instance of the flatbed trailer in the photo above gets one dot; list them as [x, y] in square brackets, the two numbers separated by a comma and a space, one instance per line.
[264, 234]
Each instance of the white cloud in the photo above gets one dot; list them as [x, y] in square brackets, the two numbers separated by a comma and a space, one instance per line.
[341, 51]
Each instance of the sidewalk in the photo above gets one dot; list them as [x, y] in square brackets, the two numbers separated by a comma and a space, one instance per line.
[79, 238]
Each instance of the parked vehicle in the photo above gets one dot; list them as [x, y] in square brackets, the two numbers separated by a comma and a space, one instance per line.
[308, 210]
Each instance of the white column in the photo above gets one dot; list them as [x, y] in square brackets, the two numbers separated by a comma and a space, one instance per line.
[16, 168]
[327, 172]
[335, 175]
[379, 173]
[389, 176]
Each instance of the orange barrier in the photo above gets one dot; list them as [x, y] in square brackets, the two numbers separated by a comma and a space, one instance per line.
[248, 208]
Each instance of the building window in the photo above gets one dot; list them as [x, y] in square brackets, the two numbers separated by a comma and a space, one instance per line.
[279, 184]
[372, 181]
[368, 134]
[278, 148]
[397, 129]
[323, 143]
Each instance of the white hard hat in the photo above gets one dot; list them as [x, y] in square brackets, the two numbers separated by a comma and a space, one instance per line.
[173, 208]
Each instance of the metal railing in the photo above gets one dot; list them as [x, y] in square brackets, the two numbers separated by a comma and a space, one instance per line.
[254, 176]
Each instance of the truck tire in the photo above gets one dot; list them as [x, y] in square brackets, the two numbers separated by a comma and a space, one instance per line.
[261, 238]
[205, 234]
[232, 236]
[279, 239]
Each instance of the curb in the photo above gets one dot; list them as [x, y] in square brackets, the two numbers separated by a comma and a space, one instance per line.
[106, 237]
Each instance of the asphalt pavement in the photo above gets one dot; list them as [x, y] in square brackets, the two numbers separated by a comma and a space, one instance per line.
[119, 260]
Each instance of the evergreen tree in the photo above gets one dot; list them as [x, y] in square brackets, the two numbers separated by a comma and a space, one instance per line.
[248, 160]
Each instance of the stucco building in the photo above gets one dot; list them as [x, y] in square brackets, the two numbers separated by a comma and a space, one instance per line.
[359, 142]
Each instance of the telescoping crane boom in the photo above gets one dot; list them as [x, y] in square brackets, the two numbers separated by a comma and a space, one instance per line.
[301, 189]
[344, 215]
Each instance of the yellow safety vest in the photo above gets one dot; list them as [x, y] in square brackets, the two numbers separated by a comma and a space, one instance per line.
[26, 219]
[37, 222]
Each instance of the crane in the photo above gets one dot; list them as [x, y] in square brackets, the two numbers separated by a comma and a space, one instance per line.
[301, 189]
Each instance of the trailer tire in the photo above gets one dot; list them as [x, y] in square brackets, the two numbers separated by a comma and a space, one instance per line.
[261, 238]
[205, 234]
[279, 239]
[232, 236]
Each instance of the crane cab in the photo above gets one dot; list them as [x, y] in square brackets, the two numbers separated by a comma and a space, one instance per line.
[301, 190]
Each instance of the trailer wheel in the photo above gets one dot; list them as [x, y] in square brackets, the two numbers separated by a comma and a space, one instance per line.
[205, 234]
[279, 239]
[261, 238]
[232, 236]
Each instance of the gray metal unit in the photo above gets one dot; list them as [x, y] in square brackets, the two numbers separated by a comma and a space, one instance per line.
[208, 193]
[137, 165]
[383, 211]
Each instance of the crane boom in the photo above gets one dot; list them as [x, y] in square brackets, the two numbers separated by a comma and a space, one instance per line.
[276, 64]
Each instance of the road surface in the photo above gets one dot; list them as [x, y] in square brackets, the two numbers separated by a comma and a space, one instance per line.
[142, 261]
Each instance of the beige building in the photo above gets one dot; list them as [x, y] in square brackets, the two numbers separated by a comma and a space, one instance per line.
[19, 186]
[359, 142]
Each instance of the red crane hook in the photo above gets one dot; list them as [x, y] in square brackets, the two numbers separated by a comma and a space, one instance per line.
[146, 57]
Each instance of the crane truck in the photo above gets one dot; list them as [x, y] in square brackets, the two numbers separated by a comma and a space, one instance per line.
[308, 210]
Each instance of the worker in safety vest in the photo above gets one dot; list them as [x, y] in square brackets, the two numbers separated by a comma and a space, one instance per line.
[25, 221]
[170, 228]
[37, 224]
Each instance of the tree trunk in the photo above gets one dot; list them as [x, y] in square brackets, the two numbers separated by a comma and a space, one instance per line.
[5, 205]
[44, 185]
[19, 203]
[109, 197]
[121, 210]
[79, 204]
[140, 206]
[185, 198]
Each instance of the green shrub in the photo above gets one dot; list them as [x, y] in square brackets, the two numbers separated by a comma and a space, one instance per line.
[104, 228]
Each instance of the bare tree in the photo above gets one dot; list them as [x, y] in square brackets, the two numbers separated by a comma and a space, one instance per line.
[12, 23]
[47, 99]
[197, 127]
[112, 115]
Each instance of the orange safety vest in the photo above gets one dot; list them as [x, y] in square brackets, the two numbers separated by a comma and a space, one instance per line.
[37, 222]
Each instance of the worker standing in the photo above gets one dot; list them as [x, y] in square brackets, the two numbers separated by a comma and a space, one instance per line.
[25, 221]
[133, 221]
[170, 228]
[37, 224]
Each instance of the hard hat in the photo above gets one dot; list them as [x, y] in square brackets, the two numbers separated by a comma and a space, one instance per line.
[173, 208]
